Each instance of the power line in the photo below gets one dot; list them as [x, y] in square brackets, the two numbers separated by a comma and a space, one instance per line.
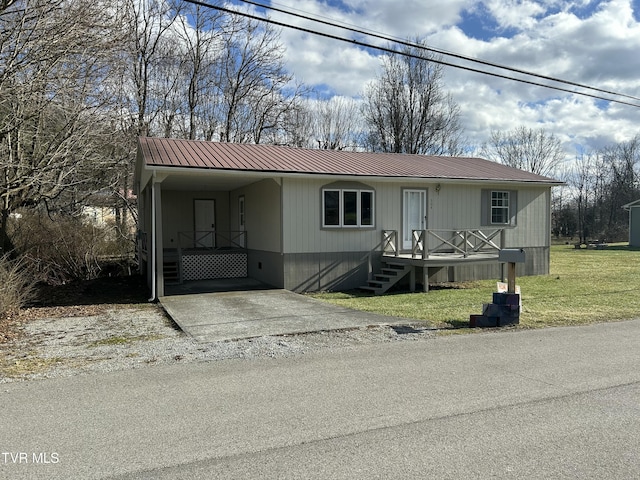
[418, 57]
[434, 50]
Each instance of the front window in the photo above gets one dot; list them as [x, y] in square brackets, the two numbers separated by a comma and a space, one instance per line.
[500, 208]
[347, 208]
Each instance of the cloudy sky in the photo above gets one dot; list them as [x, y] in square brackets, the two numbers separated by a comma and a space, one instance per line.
[596, 43]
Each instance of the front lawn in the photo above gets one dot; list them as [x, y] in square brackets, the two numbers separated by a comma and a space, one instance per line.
[584, 286]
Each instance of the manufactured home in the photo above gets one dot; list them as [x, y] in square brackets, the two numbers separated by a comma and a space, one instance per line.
[309, 220]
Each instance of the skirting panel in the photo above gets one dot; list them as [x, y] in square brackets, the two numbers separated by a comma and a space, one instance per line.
[309, 272]
[211, 266]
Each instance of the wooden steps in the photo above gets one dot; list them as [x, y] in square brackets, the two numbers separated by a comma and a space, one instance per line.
[171, 268]
[390, 274]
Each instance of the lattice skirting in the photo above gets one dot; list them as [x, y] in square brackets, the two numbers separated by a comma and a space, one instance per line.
[204, 267]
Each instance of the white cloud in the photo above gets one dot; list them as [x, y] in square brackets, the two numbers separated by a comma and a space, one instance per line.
[595, 43]
[519, 14]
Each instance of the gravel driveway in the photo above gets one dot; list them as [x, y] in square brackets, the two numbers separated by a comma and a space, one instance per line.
[138, 336]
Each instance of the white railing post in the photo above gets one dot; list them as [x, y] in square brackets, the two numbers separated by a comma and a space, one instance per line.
[466, 243]
[390, 240]
[425, 252]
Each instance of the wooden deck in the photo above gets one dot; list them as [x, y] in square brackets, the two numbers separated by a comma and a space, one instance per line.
[442, 259]
[433, 248]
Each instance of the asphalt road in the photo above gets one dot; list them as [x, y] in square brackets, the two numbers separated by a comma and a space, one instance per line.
[553, 403]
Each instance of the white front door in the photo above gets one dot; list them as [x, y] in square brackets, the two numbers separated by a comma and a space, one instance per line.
[414, 214]
[204, 223]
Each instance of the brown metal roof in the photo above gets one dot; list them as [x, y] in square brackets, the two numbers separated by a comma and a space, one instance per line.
[170, 152]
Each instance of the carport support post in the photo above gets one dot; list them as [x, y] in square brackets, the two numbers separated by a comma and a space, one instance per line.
[159, 248]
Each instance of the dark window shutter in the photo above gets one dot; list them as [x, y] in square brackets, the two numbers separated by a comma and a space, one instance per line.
[485, 207]
[513, 207]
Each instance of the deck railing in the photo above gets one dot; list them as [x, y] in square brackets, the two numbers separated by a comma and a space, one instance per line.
[212, 240]
[463, 242]
[390, 242]
[458, 242]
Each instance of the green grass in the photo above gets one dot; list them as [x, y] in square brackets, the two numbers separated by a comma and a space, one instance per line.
[584, 286]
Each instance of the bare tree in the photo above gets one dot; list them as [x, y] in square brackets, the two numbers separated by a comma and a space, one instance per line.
[145, 25]
[51, 125]
[296, 128]
[336, 123]
[582, 180]
[527, 149]
[200, 31]
[407, 109]
[253, 81]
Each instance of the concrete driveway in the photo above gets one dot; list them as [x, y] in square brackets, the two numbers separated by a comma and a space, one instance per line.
[218, 316]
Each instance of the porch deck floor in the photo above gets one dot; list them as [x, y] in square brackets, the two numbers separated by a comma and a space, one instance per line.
[443, 259]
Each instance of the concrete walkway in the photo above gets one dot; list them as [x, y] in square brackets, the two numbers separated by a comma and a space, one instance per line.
[219, 316]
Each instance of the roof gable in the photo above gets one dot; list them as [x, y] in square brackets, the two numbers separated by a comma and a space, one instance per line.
[178, 153]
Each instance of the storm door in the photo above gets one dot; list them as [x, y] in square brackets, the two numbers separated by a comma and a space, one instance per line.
[414, 214]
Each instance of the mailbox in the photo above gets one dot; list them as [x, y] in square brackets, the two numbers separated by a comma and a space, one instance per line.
[511, 255]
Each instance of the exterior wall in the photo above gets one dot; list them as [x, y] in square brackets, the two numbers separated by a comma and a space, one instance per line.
[349, 270]
[634, 226]
[263, 224]
[178, 213]
[317, 258]
[459, 207]
[263, 219]
[450, 206]
[266, 267]
[308, 272]
[302, 221]
[536, 263]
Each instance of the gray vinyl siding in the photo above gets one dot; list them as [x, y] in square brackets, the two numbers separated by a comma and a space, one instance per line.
[449, 207]
[308, 272]
[534, 219]
[302, 221]
[634, 226]
[263, 220]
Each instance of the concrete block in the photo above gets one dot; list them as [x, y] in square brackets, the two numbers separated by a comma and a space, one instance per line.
[506, 298]
[508, 320]
[482, 321]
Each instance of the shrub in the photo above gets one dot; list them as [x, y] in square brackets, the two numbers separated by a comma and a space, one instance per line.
[16, 286]
[63, 248]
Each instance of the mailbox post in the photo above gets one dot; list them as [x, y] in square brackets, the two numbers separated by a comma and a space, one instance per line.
[505, 309]
[511, 256]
